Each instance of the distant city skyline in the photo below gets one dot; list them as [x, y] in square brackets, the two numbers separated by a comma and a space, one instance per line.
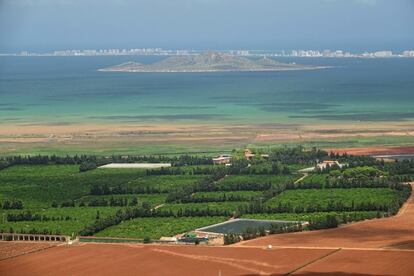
[351, 25]
[239, 52]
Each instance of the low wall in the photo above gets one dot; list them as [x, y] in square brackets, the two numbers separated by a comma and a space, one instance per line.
[33, 237]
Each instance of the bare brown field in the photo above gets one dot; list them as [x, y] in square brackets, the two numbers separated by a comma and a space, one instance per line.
[374, 150]
[13, 249]
[113, 259]
[357, 262]
[390, 232]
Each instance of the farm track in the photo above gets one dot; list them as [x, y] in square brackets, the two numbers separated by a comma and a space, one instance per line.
[300, 179]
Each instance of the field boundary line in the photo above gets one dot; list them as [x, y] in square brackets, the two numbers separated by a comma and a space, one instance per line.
[313, 261]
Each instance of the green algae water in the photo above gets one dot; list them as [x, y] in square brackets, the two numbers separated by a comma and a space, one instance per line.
[70, 90]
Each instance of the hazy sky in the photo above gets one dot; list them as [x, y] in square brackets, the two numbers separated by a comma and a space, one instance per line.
[356, 25]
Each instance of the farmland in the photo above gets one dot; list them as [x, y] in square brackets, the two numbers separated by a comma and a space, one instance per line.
[156, 228]
[68, 196]
[257, 182]
[312, 200]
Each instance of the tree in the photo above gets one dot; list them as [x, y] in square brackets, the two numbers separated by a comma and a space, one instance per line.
[275, 168]
[87, 166]
[133, 202]
[286, 170]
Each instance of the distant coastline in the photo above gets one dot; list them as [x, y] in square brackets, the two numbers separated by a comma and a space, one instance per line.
[213, 71]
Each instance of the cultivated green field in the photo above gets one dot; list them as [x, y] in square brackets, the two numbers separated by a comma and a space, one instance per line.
[243, 182]
[323, 198]
[53, 195]
[360, 215]
[141, 228]
[79, 218]
[228, 196]
[229, 206]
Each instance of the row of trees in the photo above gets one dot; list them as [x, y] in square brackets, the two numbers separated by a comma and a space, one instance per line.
[28, 216]
[111, 202]
[97, 189]
[121, 202]
[219, 198]
[31, 231]
[53, 159]
[101, 160]
[183, 171]
[343, 183]
[13, 204]
[313, 208]
[68, 203]
[296, 155]
[237, 167]
[245, 167]
[399, 167]
[87, 166]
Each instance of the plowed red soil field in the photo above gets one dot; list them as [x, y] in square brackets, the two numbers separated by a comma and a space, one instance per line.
[115, 259]
[357, 262]
[13, 249]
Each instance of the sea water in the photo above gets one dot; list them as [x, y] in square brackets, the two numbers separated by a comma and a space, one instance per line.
[68, 90]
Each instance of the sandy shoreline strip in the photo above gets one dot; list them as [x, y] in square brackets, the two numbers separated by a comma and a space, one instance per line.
[403, 128]
[164, 138]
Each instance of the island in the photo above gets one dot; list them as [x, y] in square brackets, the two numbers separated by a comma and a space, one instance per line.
[209, 62]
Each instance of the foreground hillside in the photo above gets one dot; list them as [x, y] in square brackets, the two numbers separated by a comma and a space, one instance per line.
[330, 258]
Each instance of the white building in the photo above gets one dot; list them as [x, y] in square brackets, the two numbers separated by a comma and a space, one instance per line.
[222, 159]
[383, 54]
[328, 163]
[408, 53]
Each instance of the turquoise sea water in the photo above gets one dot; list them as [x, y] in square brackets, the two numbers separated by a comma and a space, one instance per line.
[66, 90]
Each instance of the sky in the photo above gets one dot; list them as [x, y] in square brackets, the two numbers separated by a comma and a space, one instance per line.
[354, 25]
